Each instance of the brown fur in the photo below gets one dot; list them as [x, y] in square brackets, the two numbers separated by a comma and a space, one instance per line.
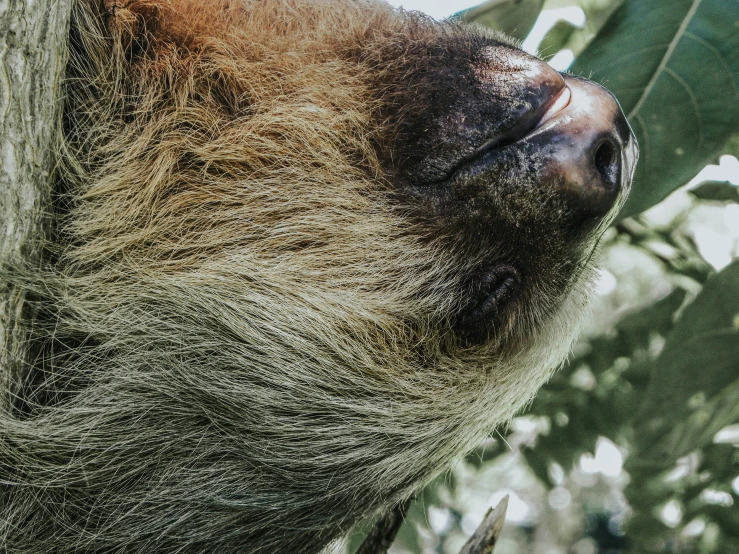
[246, 340]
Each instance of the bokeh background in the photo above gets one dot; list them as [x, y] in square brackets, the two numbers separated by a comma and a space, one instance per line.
[633, 446]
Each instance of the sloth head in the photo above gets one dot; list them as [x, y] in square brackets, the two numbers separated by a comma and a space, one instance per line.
[311, 251]
[512, 168]
[355, 169]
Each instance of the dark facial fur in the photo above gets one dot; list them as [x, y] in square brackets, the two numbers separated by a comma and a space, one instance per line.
[460, 104]
[303, 259]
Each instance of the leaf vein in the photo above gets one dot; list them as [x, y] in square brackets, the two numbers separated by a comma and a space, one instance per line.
[718, 55]
[631, 54]
[666, 58]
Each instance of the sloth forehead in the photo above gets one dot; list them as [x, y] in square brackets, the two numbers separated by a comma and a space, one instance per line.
[392, 75]
[373, 40]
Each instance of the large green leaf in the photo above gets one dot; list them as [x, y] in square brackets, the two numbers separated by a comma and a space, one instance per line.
[716, 307]
[674, 66]
[693, 394]
[513, 17]
[696, 378]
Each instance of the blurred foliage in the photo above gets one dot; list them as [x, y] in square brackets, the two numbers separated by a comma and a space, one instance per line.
[662, 381]
[716, 190]
[564, 35]
[513, 17]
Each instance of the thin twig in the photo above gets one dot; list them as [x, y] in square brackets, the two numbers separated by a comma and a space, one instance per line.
[482, 541]
[484, 538]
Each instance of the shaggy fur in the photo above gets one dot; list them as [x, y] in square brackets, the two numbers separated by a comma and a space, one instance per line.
[244, 337]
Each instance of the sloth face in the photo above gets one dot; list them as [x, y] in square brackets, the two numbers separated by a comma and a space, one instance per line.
[508, 163]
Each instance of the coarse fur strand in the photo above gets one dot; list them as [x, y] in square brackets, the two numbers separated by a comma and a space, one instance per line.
[242, 341]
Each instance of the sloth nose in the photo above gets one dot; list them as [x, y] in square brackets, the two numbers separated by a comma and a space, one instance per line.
[586, 149]
[591, 151]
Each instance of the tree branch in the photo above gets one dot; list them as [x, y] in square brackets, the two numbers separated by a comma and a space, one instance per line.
[33, 39]
[484, 538]
[482, 541]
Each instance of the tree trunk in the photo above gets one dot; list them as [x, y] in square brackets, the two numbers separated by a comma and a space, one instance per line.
[33, 51]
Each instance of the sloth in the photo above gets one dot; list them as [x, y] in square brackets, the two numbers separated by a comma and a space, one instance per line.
[303, 255]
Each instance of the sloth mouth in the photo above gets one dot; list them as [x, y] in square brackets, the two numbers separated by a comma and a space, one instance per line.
[491, 293]
[558, 104]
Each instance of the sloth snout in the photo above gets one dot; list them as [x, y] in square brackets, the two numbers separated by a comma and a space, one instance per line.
[590, 151]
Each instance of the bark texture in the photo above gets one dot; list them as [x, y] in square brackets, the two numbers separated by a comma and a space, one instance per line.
[484, 539]
[33, 37]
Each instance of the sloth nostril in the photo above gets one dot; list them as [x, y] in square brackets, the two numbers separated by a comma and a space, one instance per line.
[607, 163]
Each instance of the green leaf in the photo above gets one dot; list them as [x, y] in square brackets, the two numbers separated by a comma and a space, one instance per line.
[720, 191]
[674, 66]
[694, 393]
[513, 17]
[716, 307]
[657, 317]
[556, 39]
[697, 368]
[597, 13]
